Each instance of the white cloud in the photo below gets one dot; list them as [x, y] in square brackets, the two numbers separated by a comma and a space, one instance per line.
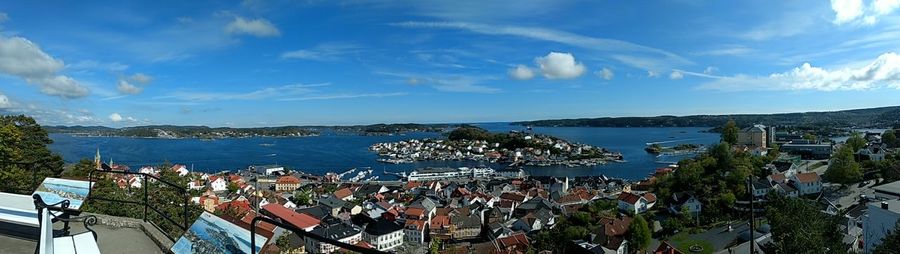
[344, 96]
[324, 52]
[141, 78]
[5, 103]
[556, 65]
[3, 17]
[884, 71]
[22, 58]
[676, 75]
[115, 117]
[448, 83]
[264, 93]
[733, 50]
[856, 11]
[652, 74]
[846, 10]
[127, 88]
[256, 27]
[710, 70]
[655, 56]
[605, 73]
[521, 72]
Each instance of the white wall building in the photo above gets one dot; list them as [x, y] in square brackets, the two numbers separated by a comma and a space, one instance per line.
[880, 221]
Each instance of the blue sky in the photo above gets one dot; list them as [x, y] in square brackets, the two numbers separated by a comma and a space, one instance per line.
[258, 63]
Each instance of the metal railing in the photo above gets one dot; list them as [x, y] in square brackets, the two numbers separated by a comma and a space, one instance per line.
[145, 203]
[302, 233]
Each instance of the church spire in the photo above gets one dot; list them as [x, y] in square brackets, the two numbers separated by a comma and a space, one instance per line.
[97, 158]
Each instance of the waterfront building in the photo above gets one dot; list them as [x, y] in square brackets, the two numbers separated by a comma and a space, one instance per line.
[428, 174]
[267, 169]
[384, 234]
[808, 150]
[287, 183]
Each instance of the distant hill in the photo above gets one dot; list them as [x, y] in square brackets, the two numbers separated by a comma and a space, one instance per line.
[172, 131]
[883, 117]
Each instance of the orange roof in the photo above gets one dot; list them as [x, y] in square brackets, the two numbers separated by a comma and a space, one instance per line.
[299, 220]
[778, 177]
[808, 177]
[365, 244]
[666, 248]
[242, 206]
[420, 224]
[517, 239]
[440, 221]
[248, 218]
[343, 193]
[629, 198]
[412, 185]
[615, 226]
[213, 178]
[650, 197]
[235, 178]
[415, 211]
[287, 180]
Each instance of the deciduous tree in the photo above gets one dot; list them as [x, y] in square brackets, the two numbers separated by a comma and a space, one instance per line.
[730, 132]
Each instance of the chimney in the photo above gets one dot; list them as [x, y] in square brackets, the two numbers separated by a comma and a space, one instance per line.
[884, 205]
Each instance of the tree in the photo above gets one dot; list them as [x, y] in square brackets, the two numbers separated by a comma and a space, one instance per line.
[232, 187]
[639, 232]
[890, 242]
[435, 246]
[284, 242]
[730, 132]
[856, 141]
[22, 140]
[843, 169]
[80, 170]
[302, 197]
[889, 138]
[798, 226]
[809, 136]
[774, 152]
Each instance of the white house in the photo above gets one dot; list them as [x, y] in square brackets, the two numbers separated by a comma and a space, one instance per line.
[384, 234]
[684, 200]
[414, 231]
[807, 183]
[181, 170]
[195, 185]
[880, 221]
[217, 183]
[148, 170]
[629, 202]
[342, 232]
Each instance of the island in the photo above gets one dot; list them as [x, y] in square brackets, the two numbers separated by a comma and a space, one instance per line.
[476, 144]
[391, 129]
[173, 132]
[657, 148]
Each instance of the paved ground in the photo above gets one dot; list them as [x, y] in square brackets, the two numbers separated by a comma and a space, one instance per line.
[843, 198]
[111, 240]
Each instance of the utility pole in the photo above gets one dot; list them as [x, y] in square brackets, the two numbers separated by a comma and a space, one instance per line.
[750, 190]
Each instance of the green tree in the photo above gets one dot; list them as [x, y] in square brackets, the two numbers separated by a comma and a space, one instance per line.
[232, 187]
[843, 169]
[302, 197]
[774, 152]
[639, 232]
[809, 136]
[435, 246]
[889, 138]
[856, 141]
[80, 170]
[284, 242]
[798, 226]
[22, 140]
[730, 132]
[890, 242]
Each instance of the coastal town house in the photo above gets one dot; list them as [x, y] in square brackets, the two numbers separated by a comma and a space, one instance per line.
[335, 229]
[753, 136]
[384, 234]
[614, 232]
[684, 201]
[181, 170]
[218, 183]
[287, 183]
[634, 203]
[807, 183]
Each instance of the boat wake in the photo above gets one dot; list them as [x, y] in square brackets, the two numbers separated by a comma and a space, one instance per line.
[671, 141]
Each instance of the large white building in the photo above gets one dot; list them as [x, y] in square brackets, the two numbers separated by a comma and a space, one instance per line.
[384, 234]
[880, 221]
[428, 174]
[343, 232]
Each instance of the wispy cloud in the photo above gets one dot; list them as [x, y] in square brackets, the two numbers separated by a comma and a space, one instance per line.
[343, 96]
[324, 52]
[726, 50]
[659, 57]
[447, 82]
[265, 93]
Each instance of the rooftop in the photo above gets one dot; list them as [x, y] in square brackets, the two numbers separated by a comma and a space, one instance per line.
[893, 188]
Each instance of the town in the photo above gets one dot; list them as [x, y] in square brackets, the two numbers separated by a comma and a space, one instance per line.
[515, 147]
[757, 190]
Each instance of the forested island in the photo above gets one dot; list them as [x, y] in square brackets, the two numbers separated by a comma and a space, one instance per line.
[390, 129]
[172, 131]
[883, 117]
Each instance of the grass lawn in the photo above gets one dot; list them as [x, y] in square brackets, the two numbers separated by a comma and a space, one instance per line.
[683, 243]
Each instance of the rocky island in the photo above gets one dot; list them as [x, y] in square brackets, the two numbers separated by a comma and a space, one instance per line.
[172, 131]
[476, 144]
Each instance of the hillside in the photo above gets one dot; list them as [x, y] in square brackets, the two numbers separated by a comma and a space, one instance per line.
[861, 118]
[171, 131]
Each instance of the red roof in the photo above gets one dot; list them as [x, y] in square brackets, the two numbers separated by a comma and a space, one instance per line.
[213, 178]
[420, 224]
[412, 185]
[615, 226]
[248, 218]
[242, 206]
[365, 244]
[299, 220]
[512, 196]
[777, 177]
[666, 248]
[235, 178]
[808, 177]
[415, 211]
[518, 240]
[629, 198]
[287, 180]
[343, 193]
[439, 221]
[650, 197]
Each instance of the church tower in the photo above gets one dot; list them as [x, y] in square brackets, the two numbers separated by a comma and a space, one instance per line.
[97, 159]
